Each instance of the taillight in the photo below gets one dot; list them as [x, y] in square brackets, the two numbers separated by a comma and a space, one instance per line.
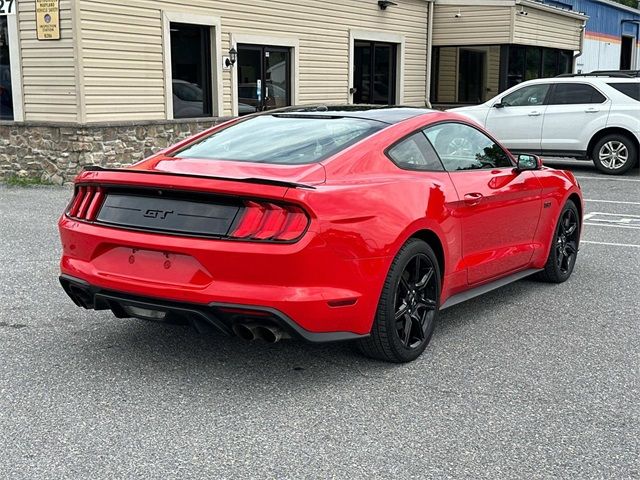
[86, 203]
[269, 221]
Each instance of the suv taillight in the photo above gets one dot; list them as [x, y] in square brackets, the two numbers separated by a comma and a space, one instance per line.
[86, 203]
[268, 221]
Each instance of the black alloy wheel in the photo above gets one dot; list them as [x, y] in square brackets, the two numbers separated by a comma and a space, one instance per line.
[408, 307]
[416, 301]
[564, 250]
[567, 242]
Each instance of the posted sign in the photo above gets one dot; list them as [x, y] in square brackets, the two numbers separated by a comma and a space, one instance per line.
[8, 7]
[48, 19]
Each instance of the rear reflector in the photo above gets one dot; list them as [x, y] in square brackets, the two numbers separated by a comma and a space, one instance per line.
[268, 221]
[86, 203]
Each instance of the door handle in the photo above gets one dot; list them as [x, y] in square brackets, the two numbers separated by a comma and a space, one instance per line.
[592, 110]
[472, 198]
[535, 113]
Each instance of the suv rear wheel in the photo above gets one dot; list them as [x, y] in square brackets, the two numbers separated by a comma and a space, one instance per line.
[614, 154]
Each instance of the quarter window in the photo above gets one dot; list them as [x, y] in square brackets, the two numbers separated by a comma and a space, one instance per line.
[631, 90]
[415, 153]
[461, 147]
[527, 96]
[575, 93]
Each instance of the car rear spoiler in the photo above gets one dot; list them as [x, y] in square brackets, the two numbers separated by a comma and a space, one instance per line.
[263, 181]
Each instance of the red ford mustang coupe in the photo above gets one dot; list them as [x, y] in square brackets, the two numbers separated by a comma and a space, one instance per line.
[323, 223]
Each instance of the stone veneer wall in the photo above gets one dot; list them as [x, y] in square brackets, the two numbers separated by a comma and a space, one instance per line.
[56, 153]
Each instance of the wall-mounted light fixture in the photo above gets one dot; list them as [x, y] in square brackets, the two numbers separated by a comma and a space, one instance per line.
[383, 4]
[522, 11]
[233, 57]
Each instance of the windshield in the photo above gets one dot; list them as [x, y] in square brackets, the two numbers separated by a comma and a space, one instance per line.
[283, 138]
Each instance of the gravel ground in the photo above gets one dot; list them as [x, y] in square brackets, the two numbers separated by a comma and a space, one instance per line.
[529, 381]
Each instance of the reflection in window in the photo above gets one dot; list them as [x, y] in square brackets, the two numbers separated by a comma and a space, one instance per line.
[462, 147]
[282, 139]
[527, 96]
[415, 153]
[191, 70]
[6, 98]
[528, 63]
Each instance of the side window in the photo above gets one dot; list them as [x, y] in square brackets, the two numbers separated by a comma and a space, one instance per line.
[415, 153]
[575, 93]
[527, 96]
[462, 147]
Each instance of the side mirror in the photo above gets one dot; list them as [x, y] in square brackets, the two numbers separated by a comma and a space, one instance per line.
[528, 162]
[499, 105]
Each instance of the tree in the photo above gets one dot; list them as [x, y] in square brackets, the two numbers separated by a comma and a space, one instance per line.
[628, 3]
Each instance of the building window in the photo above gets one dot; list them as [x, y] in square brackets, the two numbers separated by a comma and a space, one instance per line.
[191, 70]
[528, 63]
[6, 92]
[375, 66]
[471, 76]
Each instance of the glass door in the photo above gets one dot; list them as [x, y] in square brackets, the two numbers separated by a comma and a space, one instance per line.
[264, 78]
[374, 73]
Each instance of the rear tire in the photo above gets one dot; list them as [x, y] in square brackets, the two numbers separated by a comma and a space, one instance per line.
[564, 249]
[614, 154]
[408, 306]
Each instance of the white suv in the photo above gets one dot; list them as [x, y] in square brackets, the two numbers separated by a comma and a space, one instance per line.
[579, 116]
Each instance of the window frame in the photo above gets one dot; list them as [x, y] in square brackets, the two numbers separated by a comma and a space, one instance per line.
[15, 68]
[486, 134]
[215, 25]
[553, 91]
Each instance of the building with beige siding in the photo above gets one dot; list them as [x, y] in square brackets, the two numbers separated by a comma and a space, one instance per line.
[108, 81]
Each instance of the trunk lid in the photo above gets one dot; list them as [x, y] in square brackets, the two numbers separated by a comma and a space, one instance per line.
[307, 174]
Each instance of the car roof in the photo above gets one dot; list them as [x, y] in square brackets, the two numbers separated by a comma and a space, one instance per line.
[381, 113]
[582, 79]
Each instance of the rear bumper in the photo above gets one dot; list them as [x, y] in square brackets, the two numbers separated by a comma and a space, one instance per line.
[317, 288]
[221, 316]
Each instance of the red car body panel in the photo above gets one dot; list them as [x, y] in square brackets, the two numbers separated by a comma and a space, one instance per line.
[362, 209]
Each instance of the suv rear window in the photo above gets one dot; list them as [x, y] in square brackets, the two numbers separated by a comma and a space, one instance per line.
[575, 93]
[283, 139]
[631, 90]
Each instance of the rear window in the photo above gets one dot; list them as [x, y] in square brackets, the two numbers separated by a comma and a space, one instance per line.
[631, 90]
[283, 139]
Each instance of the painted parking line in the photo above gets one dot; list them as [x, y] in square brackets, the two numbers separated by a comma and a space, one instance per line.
[609, 244]
[616, 220]
[612, 226]
[593, 200]
[582, 177]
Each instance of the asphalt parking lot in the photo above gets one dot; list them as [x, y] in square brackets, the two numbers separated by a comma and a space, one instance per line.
[529, 381]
